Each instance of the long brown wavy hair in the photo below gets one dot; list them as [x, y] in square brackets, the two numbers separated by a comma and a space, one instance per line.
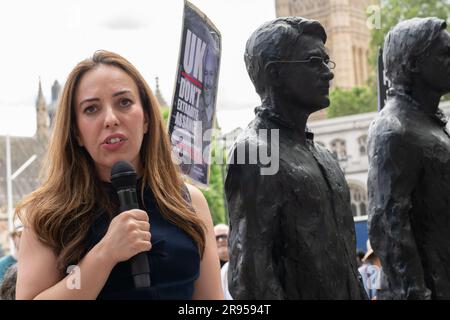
[60, 211]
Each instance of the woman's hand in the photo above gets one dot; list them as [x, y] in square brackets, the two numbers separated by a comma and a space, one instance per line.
[127, 235]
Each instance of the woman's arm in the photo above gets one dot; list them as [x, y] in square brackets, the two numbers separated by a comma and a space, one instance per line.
[38, 276]
[208, 285]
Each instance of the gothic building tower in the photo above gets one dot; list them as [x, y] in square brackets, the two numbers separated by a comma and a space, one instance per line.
[56, 88]
[42, 117]
[162, 102]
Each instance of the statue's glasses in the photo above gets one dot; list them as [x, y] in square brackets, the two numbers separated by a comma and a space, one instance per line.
[314, 61]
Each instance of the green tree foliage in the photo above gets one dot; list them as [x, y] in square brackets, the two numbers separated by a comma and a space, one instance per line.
[214, 194]
[165, 112]
[347, 102]
[394, 11]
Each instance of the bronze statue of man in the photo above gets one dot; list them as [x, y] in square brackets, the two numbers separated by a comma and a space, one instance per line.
[291, 229]
[409, 165]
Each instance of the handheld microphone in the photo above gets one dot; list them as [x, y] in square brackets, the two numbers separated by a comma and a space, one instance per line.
[123, 178]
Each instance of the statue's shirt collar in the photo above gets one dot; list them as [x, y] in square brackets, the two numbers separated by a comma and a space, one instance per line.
[272, 115]
[439, 116]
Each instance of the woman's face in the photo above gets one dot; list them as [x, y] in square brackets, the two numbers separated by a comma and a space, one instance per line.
[110, 118]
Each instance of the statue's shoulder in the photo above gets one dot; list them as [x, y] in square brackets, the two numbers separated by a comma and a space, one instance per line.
[256, 134]
[252, 154]
[395, 126]
[392, 121]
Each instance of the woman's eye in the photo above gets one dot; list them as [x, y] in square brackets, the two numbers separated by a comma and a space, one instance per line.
[125, 102]
[90, 109]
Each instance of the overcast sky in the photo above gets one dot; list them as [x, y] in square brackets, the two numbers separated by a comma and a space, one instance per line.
[46, 38]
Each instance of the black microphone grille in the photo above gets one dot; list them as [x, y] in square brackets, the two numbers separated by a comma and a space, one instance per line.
[123, 175]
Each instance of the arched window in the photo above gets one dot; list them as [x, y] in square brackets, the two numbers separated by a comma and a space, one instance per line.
[358, 198]
[339, 149]
[362, 209]
[362, 142]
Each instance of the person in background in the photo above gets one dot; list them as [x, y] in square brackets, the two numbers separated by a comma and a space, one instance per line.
[370, 272]
[9, 260]
[221, 232]
[359, 256]
[8, 285]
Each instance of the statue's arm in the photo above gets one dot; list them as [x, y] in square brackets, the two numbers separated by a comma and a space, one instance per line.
[253, 207]
[394, 169]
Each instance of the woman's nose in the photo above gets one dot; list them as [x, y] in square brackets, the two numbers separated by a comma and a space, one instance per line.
[111, 118]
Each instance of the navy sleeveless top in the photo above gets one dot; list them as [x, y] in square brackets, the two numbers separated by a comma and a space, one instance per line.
[174, 258]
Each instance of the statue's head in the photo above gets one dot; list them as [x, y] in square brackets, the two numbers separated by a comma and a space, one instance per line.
[418, 47]
[278, 56]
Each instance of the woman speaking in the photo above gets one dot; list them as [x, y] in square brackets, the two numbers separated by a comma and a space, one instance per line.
[76, 243]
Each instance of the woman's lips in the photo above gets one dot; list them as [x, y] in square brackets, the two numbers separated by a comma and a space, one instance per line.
[113, 146]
